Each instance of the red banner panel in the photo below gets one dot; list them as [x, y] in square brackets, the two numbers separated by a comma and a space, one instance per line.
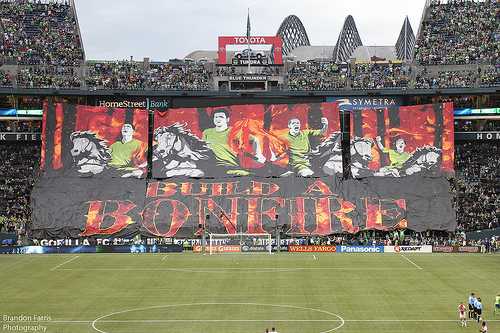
[87, 141]
[242, 140]
[402, 141]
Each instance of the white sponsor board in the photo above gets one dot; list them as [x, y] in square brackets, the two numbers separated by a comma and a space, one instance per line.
[408, 249]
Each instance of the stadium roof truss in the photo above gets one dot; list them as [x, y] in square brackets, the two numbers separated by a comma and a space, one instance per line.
[348, 41]
[406, 42]
[293, 33]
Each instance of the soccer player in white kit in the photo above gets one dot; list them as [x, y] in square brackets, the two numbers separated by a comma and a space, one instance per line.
[463, 317]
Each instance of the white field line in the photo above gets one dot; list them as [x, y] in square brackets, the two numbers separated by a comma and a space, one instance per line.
[234, 270]
[64, 263]
[237, 320]
[165, 256]
[411, 262]
[103, 318]
[280, 320]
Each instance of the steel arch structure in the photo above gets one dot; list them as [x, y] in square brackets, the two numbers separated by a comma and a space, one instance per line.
[348, 41]
[405, 45]
[293, 33]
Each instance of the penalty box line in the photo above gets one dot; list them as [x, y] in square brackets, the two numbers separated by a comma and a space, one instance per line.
[53, 268]
[411, 262]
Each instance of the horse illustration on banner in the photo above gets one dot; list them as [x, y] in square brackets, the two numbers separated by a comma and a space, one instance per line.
[361, 156]
[178, 152]
[90, 153]
[427, 158]
[327, 156]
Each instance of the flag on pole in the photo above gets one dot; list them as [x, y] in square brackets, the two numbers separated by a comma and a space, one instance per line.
[248, 26]
[248, 38]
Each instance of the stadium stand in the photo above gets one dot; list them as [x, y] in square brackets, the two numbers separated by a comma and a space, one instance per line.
[315, 76]
[459, 32]
[41, 43]
[5, 80]
[372, 75]
[41, 77]
[178, 76]
[445, 79]
[40, 33]
[19, 163]
[44, 37]
[477, 195]
[490, 77]
[116, 75]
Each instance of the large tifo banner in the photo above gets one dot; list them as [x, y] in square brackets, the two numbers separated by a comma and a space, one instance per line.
[260, 176]
[242, 140]
[401, 141]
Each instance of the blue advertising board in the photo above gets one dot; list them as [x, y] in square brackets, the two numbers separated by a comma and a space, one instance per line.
[364, 103]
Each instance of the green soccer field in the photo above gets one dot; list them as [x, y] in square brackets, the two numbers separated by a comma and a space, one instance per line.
[294, 292]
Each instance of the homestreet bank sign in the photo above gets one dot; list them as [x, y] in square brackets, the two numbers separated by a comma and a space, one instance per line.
[363, 103]
[148, 104]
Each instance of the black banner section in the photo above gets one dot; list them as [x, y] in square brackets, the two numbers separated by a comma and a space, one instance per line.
[83, 207]
[75, 207]
[298, 206]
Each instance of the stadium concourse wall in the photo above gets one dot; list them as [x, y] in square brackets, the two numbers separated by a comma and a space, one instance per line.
[235, 249]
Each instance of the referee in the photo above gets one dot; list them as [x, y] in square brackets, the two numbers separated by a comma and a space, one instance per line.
[479, 309]
[472, 302]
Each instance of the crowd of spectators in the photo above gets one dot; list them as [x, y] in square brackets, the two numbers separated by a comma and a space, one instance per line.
[477, 191]
[160, 76]
[125, 74]
[5, 80]
[39, 33]
[375, 76]
[315, 76]
[445, 79]
[17, 126]
[19, 163]
[328, 76]
[398, 237]
[41, 77]
[459, 32]
[474, 126]
[491, 77]
[465, 126]
[45, 37]
[179, 76]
